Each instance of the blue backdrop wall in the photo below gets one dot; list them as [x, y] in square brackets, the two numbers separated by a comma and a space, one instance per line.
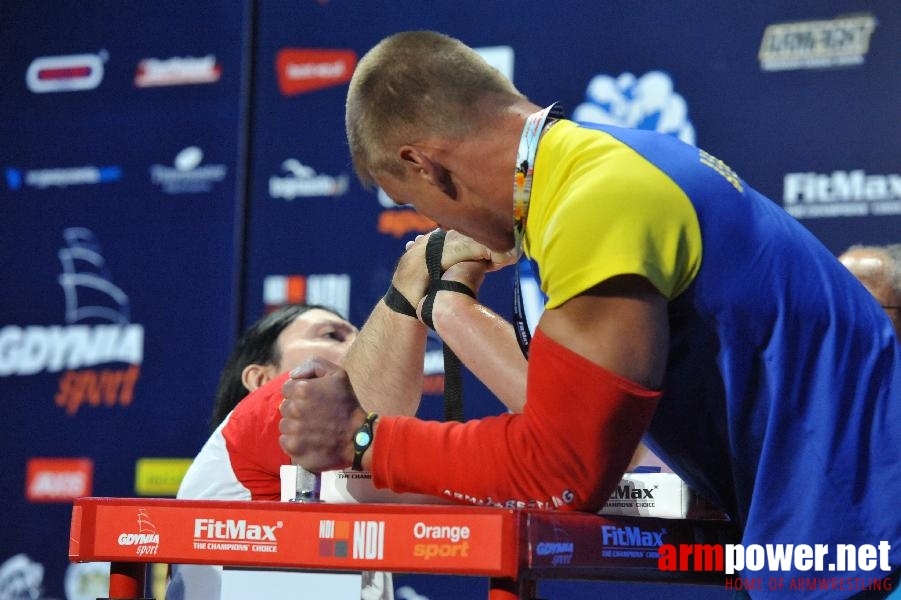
[171, 170]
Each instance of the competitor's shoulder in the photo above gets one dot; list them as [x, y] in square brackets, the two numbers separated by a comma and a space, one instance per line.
[262, 400]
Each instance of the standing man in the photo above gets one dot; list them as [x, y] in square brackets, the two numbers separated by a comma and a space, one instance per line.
[879, 270]
[682, 304]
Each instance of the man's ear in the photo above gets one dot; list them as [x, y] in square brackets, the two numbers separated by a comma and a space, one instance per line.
[421, 165]
[254, 376]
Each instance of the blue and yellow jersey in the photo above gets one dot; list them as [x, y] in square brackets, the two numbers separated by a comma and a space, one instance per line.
[782, 396]
[638, 220]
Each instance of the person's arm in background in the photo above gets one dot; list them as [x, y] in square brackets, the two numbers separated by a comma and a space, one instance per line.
[385, 362]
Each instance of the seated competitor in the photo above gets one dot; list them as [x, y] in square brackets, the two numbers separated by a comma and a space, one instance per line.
[682, 304]
[271, 346]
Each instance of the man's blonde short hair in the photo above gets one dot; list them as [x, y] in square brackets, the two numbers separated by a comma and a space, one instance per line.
[415, 85]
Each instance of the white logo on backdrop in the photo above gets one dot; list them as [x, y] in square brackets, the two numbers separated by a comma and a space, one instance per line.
[21, 578]
[187, 175]
[97, 314]
[646, 102]
[303, 181]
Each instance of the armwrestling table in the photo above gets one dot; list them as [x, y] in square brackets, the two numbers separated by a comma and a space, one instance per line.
[514, 548]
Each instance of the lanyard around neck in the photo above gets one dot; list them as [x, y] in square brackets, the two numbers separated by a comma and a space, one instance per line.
[525, 167]
[522, 193]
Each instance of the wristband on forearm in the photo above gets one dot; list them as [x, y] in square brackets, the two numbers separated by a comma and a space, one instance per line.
[362, 440]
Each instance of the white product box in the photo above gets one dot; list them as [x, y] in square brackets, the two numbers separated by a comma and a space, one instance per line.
[662, 495]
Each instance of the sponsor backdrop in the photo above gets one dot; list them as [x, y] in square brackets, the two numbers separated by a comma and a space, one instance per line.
[171, 171]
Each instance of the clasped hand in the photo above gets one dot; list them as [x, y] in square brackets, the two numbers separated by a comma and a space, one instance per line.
[320, 414]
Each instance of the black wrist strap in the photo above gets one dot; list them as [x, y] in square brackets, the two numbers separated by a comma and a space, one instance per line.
[398, 302]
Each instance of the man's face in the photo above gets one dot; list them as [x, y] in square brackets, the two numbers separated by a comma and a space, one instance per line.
[467, 213]
[314, 333]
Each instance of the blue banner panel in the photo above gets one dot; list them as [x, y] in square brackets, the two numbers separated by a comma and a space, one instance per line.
[120, 130]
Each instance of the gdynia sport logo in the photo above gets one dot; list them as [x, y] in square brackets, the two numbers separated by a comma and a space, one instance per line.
[817, 567]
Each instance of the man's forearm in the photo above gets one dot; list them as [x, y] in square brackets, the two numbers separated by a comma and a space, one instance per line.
[385, 362]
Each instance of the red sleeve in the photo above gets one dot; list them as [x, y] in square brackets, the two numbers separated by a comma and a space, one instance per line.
[569, 448]
[251, 438]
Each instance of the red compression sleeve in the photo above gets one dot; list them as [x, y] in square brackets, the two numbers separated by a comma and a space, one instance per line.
[569, 448]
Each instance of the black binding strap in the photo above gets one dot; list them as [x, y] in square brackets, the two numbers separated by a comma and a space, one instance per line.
[398, 302]
[453, 380]
[434, 249]
[441, 286]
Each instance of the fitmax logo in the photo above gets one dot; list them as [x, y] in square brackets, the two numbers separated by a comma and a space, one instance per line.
[627, 491]
[212, 529]
[633, 537]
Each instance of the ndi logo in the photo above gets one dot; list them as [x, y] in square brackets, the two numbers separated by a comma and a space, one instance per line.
[363, 540]
[328, 289]
[646, 102]
[369, 540]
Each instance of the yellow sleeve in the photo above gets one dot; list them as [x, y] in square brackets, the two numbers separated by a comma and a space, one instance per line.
[599, 209]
